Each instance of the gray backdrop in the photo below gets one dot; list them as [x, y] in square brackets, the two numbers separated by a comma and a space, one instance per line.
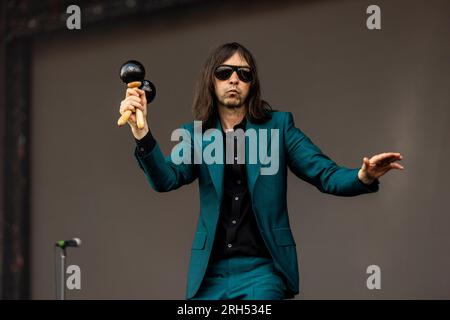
[354, 92]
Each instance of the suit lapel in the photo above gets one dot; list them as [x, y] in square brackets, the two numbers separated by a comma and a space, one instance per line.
[216, 169]
[254, 169]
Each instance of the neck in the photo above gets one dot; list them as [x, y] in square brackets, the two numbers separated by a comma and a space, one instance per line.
[229, 117]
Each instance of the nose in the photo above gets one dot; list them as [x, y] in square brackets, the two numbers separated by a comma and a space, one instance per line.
[234, 79]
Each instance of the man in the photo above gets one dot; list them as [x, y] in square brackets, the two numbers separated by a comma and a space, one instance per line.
[243, 247]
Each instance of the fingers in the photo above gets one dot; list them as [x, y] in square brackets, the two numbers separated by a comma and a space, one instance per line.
[132, 92]
[143, 100]
[134, 99]
[132, 120]
[396, 166]
[386, 162]
[386, 155]
[124, 107]
[142, 96]
[383, 159]
[136, 92]
[131, 103]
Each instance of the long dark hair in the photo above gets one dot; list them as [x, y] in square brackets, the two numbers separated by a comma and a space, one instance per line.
[205, 100]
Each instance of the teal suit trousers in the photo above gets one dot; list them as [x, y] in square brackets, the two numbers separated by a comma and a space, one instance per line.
[242, 278]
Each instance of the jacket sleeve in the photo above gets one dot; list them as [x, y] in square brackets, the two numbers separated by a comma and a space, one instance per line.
[162, 173]
[308, 163]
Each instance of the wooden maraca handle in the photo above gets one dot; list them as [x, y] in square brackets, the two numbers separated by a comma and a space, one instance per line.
[124, 118]
[126, 115]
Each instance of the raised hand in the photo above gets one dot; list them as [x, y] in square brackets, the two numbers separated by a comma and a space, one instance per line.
[378, 165]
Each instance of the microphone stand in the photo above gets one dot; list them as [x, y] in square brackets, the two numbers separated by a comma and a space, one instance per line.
[61, 295]
[75, 242]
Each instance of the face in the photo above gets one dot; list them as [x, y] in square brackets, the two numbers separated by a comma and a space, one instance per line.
[232, 92]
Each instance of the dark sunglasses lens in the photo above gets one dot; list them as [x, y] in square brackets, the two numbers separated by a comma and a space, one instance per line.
[223, 73]
[245, 75]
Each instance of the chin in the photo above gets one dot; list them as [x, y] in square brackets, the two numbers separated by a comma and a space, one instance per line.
[232, 103]
[233, 106]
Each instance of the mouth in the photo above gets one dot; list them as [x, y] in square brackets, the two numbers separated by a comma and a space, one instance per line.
[233, 91]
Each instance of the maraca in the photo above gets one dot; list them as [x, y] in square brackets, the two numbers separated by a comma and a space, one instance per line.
[132, 73]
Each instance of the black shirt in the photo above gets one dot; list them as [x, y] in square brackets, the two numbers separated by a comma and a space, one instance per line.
[237, 231]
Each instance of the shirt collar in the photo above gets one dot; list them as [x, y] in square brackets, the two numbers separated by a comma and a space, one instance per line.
[240, 125]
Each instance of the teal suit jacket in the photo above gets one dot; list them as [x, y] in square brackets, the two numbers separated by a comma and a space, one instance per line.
[268, 193]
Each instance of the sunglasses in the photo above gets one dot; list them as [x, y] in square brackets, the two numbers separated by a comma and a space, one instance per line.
[224, 72]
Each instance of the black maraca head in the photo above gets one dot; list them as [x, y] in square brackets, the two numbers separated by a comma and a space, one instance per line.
[150, 90]
[131, 71]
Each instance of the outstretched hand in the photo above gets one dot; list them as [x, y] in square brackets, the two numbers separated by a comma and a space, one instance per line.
[378, 165]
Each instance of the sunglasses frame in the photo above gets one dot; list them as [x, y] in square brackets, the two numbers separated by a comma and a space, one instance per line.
[238, 71]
